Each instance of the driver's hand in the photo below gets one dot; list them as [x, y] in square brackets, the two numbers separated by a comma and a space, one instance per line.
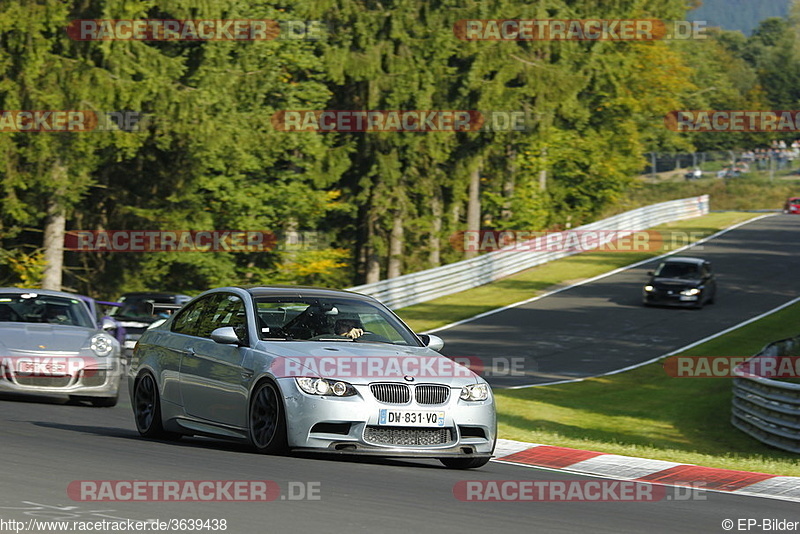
[354, 333]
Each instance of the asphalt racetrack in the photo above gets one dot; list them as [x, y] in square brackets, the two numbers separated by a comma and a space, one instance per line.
[48, 444]
[602, 326]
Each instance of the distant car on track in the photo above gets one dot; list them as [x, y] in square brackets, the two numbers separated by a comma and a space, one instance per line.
[792, 205]
[306, 368]
[681, 281]
[50, 343]
[136, 313]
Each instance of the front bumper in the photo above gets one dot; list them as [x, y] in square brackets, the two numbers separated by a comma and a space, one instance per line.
[97, 380]
[350, 425]
[663, 298]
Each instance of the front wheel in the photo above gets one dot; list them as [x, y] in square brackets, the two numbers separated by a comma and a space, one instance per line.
[464, 463]
[267, 420]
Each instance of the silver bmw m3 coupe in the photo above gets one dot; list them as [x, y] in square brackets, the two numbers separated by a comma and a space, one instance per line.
[50, 344]
[305, 368]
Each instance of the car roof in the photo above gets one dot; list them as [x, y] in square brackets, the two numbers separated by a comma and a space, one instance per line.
[684, 259]
[302, 291]
[153, 294]
[49, 292]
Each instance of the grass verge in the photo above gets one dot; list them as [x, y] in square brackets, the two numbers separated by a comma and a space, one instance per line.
[538, 280]
[746, 193]
[646, 413]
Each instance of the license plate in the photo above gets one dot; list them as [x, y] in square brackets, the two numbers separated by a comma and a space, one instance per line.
[42, 368]
[688, 298]
[388, 417]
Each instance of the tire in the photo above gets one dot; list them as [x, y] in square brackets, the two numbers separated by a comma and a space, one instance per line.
[147, 409]
[267, 419]
[464, 463]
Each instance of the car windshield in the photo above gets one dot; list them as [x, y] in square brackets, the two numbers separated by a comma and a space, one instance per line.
[687, 271]
[36, 308]
[329, 319]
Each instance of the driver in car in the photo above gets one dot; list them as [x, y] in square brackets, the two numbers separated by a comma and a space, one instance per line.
[348, 328]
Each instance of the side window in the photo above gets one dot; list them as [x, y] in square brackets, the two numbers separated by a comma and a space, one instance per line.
[187, 318]
[225, 309]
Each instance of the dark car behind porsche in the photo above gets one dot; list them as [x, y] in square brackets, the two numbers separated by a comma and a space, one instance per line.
[136, 314]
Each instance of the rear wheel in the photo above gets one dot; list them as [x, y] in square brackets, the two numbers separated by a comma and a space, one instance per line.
[464, 463]
[147, 409]
[267, 427]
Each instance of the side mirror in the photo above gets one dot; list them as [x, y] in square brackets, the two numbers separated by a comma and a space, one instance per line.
[108, 324]
[649, 273]
[225, 336]
[432, 342]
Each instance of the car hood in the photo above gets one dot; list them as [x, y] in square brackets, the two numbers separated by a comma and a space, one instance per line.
[31, 337]
[360, 363]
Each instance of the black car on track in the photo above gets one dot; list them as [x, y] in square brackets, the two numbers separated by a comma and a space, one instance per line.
[681, 281]
[136, 313]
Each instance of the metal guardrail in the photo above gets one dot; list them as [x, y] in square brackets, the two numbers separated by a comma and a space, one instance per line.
[769, 410]
[456, 277]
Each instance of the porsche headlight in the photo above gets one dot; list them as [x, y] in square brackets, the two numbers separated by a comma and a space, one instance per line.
[324, 386]
[690, 292]
[475, 392]
[101, 345]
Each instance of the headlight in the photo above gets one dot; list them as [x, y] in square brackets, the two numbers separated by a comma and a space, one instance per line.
[475, 392]
[323, 386]
[690, 292]
[648, 288]
[101, 345]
